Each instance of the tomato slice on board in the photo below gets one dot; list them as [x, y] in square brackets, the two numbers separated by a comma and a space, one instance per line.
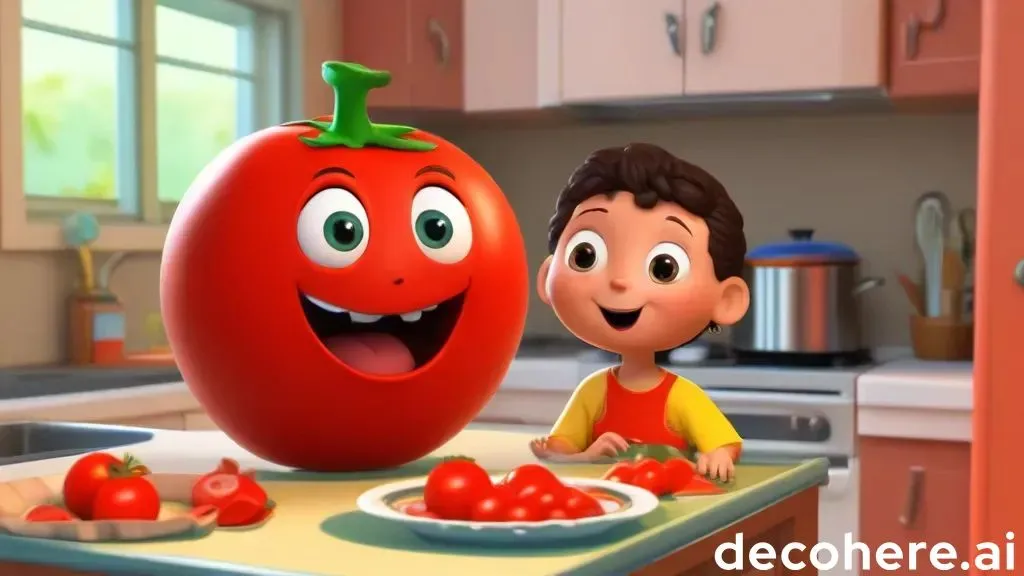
[698, 486]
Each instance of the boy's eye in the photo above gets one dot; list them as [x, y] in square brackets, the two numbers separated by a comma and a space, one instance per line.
[667, 263]
[585, 251]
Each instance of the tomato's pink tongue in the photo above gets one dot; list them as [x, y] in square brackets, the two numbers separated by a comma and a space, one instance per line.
[373, 353]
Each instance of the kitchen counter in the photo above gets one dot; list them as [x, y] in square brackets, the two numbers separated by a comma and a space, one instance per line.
[316, 528]
[912, 398]
[129, 403]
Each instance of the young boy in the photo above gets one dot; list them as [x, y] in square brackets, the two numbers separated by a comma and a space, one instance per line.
[646, 252]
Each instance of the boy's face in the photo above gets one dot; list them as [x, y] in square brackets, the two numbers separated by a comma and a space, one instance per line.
[629, 279]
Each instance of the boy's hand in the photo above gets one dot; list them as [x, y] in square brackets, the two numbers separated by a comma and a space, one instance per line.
[717, 464]
[607, 445]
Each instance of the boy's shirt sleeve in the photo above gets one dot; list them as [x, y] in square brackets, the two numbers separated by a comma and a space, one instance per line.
[576, 424]
[693, 413]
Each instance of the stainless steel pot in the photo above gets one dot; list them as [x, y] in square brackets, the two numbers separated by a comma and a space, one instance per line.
[804, 298]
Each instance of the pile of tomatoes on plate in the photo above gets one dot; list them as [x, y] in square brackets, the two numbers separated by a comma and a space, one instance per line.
[659, 478]
[459, 489]
[101, 486]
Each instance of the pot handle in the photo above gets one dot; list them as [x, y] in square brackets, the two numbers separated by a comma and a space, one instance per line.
[866, 284]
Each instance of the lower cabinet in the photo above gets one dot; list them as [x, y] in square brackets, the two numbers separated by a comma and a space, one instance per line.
[915, 491]
[198, 421]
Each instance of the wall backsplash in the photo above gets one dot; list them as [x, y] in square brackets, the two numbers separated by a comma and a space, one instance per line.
[853, 178]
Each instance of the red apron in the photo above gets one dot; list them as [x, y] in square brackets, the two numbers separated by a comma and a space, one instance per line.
[639, 417]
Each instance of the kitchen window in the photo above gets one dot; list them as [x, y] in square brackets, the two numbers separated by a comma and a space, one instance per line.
[123, 102]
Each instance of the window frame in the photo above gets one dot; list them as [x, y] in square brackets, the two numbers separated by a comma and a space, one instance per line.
[33, 223]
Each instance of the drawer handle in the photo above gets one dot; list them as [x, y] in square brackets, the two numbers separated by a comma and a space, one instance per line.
[503, 420]
[916, 25]
[443, 46]
[913, 502]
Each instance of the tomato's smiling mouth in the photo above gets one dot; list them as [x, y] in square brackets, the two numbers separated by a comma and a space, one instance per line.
[621, 319]
[383, 345]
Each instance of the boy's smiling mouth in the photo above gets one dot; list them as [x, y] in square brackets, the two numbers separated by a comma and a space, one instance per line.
[620, 319]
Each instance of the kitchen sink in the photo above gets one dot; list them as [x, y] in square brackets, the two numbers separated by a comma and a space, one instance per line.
[30, 441]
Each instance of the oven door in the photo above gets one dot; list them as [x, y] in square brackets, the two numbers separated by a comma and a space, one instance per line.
[796, 424]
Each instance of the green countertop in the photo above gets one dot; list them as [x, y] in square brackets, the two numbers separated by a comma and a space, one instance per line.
[318, 530]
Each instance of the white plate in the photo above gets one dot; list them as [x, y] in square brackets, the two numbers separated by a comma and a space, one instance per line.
[637, 502]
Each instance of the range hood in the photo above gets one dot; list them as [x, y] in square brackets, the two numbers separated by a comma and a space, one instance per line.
[868, 100]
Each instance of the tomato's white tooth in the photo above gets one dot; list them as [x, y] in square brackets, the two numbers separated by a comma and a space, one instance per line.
[412, 316]
[325, 305]
[429, 308]
[364, 318]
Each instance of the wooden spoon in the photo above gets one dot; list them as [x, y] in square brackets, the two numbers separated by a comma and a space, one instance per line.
[913, 292]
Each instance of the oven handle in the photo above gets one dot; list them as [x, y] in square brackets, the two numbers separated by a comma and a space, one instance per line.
[761, 398]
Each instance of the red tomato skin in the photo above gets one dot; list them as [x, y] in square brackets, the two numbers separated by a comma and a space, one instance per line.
[678, 473]
[579, 504]
[48, 513]
[622, 472]
[558, 514]
[522, 512]
[650, 475]
[531, 475]
[219, 489]
[543, 498]
[84, 479]
[132, 498]
[490, 509]
[224, 343]
[454, 487]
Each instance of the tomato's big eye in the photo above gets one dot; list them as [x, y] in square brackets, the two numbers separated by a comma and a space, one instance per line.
[586, 251]
[441, 225]
[343, 231]
[333, 229]
[434, 229]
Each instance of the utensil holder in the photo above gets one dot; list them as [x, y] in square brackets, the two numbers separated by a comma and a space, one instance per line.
[941, 338]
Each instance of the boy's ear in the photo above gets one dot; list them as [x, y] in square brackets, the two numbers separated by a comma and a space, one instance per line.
[733, 303]
[542, 281]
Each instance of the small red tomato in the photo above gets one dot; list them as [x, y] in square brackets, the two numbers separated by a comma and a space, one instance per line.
[558, 514]
[543, 498]
[621, 472]
[47, 513]
[128, 498]
[88, 473]
[419, 509]
[531, 475]
[454, 487]
[523, 512]
[579, 504]
[678, 474]
[650, 475]
[490, 509]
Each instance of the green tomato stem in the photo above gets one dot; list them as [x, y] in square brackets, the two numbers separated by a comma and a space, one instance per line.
[350, 126]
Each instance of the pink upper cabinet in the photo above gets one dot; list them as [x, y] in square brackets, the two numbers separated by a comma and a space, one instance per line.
[935, 48]
[751, 46]
[511, 56]
[619, 50]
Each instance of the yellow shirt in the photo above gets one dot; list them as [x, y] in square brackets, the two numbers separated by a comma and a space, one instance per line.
[688, 412]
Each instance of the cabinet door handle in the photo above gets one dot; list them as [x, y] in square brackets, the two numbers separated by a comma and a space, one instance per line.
[913, 503]
[916, 25]
[441, 37]
[672, 29]
[709, 29]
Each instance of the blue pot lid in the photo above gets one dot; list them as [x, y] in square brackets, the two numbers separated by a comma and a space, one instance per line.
[802, 248]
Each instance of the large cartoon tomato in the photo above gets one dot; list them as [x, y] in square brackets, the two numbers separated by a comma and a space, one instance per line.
[342, 295]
